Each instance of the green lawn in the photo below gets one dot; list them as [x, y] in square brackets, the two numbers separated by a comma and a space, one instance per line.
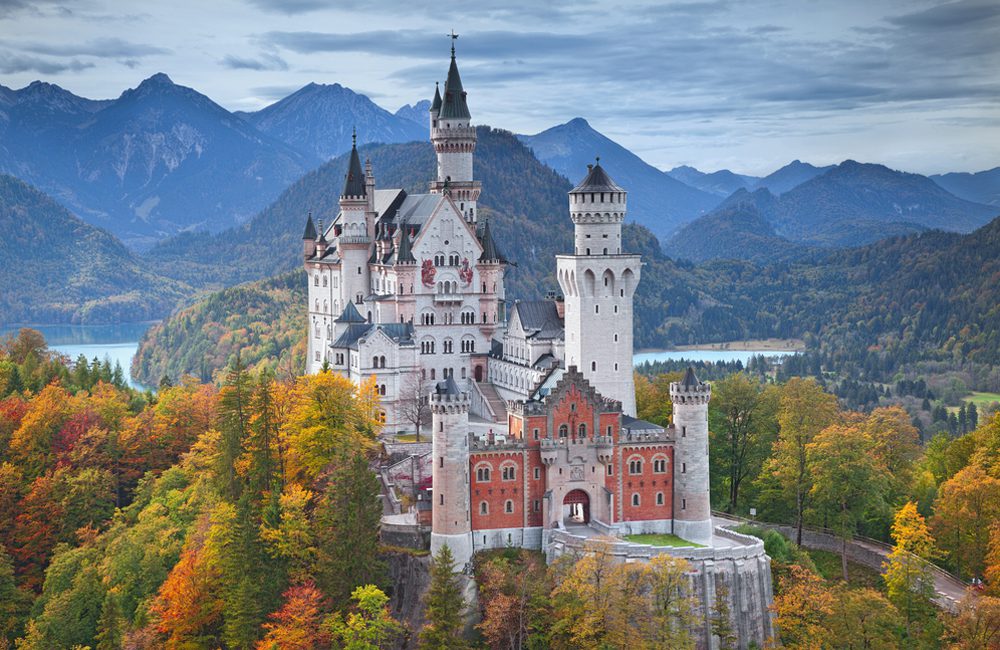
[412, 437]
[658, 539]
[982, 399]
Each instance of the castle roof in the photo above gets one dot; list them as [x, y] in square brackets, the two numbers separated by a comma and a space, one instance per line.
[354, 182]
[454, 104]
[491, 252]
[398, 332]
[436, 104]
[310, 228]
[350, 315]
[690, 379]
[539, 318]
[635, 425]
[597, 180]
[447, 387]
[404, 254]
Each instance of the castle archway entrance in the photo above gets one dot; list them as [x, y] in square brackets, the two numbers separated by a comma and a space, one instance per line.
[479, 374]
[576, 507]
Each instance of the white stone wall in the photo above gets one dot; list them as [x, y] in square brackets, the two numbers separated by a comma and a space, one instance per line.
[451, 522]
[692, 510]
[598, 292]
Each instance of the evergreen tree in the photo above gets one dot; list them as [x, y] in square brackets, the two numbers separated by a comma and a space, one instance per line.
[109, 626]
[445, 606]
[346, 527]
[972, 415]
[963, 424]
[234, 416]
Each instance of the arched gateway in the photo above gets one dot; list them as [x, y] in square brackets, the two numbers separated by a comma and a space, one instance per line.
[576, 507]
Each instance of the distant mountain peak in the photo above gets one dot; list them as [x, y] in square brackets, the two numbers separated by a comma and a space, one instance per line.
[159, 78]
[579, 122]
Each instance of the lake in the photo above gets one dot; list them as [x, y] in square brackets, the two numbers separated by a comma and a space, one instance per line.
[118, 343]
[706, 355]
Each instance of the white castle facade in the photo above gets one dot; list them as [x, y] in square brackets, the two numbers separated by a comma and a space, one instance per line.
[409, 288]
[531, 404]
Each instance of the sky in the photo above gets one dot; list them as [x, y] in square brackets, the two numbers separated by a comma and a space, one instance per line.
[746, 85]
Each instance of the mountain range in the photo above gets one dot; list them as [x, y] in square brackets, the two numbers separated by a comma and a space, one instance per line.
[58, 269]
[320, 120]
[163, 159]
[850, 204]
[656, 200]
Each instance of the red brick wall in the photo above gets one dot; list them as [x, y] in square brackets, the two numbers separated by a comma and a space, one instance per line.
[647, 484]
[497, 491]
[572, 411]
[536, 489]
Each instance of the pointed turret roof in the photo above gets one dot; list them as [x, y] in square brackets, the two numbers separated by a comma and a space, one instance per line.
[491, 252]
[448, 387]
[350, 315]
[690, 379]
[354, 182]
[597, 180]
[436, 104]
[405, 254]
[310, 228]
[454, 105]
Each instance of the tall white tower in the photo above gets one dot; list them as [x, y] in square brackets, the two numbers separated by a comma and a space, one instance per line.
[454, 140]
[598, 282]
[356, 232]
[451, 521]
[692, 510]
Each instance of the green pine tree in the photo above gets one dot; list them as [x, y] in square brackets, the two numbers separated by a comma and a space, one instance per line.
[445, 606]
[346, 527]
[109, 626]
[234, 418]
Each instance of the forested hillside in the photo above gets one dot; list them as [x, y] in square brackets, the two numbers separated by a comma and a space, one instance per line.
[264, 322]
[55, 268]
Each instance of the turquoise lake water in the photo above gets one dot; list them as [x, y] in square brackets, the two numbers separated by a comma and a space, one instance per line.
[118, 343]
[706, 355]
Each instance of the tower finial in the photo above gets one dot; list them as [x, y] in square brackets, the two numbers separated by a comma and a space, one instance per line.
[453, 37]
[354, 136]
[598, 160]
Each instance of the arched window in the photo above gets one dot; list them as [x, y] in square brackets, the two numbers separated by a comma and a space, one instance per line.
[593, 366]
[635, 498]
[484, 508]
[324, 280]
[659, 498]
[582, 430]
[563, 431]
[316, 280]
[508, 506]
[483, 474]
[508, 472]
[381, 362]
[635, 465]
[659, 465]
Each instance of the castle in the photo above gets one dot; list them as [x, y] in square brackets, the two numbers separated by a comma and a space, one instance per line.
[532, 409]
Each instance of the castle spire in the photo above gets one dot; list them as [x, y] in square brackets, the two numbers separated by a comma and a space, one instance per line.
[354, 182]
[454, 105]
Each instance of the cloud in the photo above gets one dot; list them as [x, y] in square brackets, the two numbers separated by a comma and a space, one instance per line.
[110, 48]
[266, 61]
[11, 63]
[274, 93]
[11, 7]
[290, 7]
[950, 15]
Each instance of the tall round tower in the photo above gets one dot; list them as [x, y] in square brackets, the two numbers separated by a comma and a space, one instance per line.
[454, 140]
[451, 523]
[354, 241]
[598, 283]
[692, 508]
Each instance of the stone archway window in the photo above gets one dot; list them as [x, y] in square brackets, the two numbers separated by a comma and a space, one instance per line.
[563, 431]
[482, 473]
[635, 465]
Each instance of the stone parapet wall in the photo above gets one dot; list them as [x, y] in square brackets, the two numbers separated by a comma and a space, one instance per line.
[737, 575]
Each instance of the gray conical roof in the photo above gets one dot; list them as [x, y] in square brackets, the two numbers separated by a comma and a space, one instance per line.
[597, 180]
[454, 105]
[404, 254]
[690, 379]
[350, 315]
[354, 182]
[491, 252]
[436, 104]
[448, 387]
[310, 228]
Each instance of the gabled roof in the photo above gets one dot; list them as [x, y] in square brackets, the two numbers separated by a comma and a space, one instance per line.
[350, 315]
[454, 104]
[310, 228]
[539, 318]
[354, 182]
[636, 425]
[491, 252]
[597, 180]
[398, 332]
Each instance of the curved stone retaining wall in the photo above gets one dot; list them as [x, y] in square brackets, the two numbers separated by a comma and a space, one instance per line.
[738, 575]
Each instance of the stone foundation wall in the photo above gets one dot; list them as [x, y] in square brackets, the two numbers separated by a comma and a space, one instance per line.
[739, 576]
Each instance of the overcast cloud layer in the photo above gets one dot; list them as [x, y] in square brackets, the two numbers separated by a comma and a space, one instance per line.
[743, 85]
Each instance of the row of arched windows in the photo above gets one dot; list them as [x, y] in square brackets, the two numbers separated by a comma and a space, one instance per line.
[378, 361]
[659, 465]
[484, 507]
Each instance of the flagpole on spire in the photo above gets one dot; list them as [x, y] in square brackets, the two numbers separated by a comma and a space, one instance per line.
[453, 36]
